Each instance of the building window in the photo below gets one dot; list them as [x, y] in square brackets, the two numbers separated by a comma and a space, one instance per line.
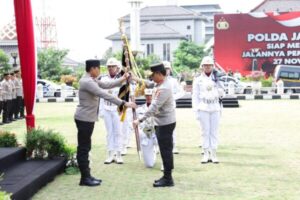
[166, 52]
[188, 27]
[150, 49]
[189, 37]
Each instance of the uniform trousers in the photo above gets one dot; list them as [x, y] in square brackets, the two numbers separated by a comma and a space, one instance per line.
[7, 106]
[126, 129]
[209, 122]
[85, 131]
[148, 150]
[164, 135]
[14, 107]
[113, 129]
[18, 107]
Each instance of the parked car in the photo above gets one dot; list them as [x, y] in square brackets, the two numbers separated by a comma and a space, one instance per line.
[70, 91]
[290, 75]
[51, 89]
[239, 87]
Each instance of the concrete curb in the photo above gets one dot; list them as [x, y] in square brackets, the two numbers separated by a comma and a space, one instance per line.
[239, 97]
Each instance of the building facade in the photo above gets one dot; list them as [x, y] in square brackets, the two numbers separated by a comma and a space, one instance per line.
[162, 28]
[207, 10]
[8, 40]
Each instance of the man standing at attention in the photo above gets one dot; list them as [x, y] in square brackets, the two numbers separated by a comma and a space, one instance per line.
[110, 114]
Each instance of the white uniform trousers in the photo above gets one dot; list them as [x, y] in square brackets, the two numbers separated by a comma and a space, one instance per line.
[113, 129]
[126, 128]
[209, 122]
[148, 149]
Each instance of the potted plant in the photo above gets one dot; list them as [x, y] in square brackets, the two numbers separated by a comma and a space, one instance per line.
[68, 79]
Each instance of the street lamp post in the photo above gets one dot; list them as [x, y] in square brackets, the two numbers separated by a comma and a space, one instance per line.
[14, 55]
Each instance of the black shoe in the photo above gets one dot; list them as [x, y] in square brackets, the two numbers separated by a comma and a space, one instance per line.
[89, 182]
[155, 181]
[95, 179]
[164, 183]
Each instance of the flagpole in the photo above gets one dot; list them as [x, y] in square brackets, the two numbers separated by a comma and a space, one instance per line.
[128, 59]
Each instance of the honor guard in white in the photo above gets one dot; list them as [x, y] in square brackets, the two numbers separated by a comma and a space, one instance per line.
[207, 92]
[178, 92]
[111, 117]
[148, 140]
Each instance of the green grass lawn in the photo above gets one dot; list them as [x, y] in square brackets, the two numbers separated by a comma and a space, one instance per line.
[259, 153]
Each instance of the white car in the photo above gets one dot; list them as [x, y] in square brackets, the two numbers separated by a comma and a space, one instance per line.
[69, 90]
[239, 87]
[51, 89]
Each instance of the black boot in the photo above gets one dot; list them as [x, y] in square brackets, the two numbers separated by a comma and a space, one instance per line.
[88, 181]
[165, 181]
[96, 179]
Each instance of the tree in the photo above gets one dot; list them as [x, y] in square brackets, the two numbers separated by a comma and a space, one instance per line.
[49, 63]
[188, 56]
[4, 59]
[107, 54]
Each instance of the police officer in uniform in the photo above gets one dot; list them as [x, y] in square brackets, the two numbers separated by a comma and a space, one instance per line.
[109, 112]
[90, 90]
[1, 101]
[148, 139]
[207, 91]
[19, 111]
[7, 98]
[14, 97]
[162, 109]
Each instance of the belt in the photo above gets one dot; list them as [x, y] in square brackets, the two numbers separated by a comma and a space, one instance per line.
[209, 101]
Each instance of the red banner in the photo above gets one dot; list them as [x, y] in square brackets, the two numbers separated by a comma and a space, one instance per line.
[257, 41]
[27, 51]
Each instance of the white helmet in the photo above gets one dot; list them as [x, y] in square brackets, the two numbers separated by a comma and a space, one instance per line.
[207, 60]
[148, 92]
[167, 65]
[112, 62]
